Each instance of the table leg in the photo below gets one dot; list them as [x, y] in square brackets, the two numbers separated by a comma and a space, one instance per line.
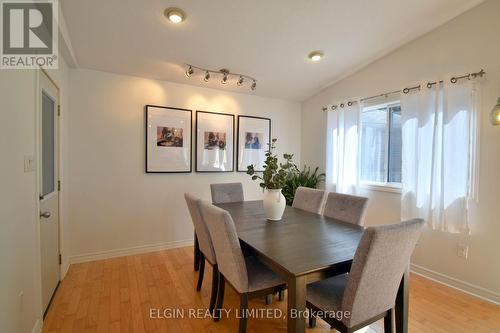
[402, 301]
[196, 253]
[296, 305]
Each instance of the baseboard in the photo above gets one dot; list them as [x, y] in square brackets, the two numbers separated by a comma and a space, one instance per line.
[129, 251]
[37, 328]
[64, 267]
[468, 288]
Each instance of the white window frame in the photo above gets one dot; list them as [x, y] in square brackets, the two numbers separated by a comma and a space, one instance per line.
[383, 186]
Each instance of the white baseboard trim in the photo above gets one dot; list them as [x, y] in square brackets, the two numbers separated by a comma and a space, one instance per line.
[64, 267]
[466, 287]
[37, 328]
[129, 251]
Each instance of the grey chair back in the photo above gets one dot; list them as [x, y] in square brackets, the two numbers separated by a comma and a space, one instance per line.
[227, 192]
[226, 245]
[347, 208]
[308, 199]
[202, 233]
[380, 261]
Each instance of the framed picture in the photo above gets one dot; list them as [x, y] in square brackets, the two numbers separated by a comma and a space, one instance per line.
[214, 142]
[168, 139]
[254, 136]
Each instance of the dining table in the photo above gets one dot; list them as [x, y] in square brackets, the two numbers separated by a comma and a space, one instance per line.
[304, 247]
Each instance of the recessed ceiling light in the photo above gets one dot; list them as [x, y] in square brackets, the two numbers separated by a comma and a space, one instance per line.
[315, 55]
[175, 15]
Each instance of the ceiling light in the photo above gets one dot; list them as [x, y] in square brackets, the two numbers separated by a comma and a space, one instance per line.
[254, 85]
[495, 114]
[315, 55]
[240, 81]
[189, 71]
[207, 76]
[175, 15]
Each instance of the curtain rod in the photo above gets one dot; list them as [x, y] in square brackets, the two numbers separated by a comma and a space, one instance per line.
[454, 79]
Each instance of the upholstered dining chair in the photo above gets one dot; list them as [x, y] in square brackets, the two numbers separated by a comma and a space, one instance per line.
[233, 192]
[309, 199]
[221, 193]
[347, 208]
[247, 275]
[205, 246]
[368, 292]
[227, 192]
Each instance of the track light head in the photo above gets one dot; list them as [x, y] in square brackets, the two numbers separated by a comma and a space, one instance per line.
[225, 74]
[240, 80]
[254, 85]
[207, 76]
[189, 71]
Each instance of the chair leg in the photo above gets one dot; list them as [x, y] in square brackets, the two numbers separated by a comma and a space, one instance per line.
[388, 322]
[220, 297]
[197, 253]
[243, 312]
[202, 272]
[269, 299]
[312, 319]
[215, 283]
[281, 295]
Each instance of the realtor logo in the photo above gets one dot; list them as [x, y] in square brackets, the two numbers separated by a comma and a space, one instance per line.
[29, 34]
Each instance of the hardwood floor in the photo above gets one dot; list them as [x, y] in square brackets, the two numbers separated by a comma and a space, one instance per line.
[117, 295]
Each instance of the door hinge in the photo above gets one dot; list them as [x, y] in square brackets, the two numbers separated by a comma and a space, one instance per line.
[58, 185]
[60, 259]
[58, 110]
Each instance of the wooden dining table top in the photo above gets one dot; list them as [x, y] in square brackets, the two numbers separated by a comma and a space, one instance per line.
[300, 243]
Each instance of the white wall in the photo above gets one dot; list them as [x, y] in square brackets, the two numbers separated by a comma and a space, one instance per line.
[19, 243]
[114, 204]
[18, 200]
[467, 43]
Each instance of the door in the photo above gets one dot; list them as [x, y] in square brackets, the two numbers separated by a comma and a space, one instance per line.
[49, 192]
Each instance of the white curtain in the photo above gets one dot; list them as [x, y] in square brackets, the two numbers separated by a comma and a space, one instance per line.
[343, 150]
[440, 147]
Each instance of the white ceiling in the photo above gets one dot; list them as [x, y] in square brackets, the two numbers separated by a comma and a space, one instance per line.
[266, 39]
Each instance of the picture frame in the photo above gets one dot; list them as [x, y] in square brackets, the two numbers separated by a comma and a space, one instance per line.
[214, 148]
[253, 139]
[168, 139]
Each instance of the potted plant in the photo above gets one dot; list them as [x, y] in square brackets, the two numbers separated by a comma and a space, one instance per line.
[272, 181]
[297, 178]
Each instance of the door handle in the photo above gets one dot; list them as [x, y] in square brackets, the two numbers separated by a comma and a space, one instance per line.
[45, 215]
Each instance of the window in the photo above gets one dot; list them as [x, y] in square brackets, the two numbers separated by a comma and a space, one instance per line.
[381, 144]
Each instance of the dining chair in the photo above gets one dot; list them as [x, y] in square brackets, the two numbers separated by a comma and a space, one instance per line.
[368, 292]
[205, 246]
[247, 275]
[347, 208]
[233, 192]
[227, 192]
[309, 199]
[221, 193]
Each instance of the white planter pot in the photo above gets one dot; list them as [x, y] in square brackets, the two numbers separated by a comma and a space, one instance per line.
[274, 204]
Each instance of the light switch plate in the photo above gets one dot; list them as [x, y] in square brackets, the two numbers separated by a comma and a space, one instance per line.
[29, 163]
[463, 251]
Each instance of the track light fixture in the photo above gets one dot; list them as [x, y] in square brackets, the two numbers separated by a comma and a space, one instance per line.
[226, 75]
[189, 71]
